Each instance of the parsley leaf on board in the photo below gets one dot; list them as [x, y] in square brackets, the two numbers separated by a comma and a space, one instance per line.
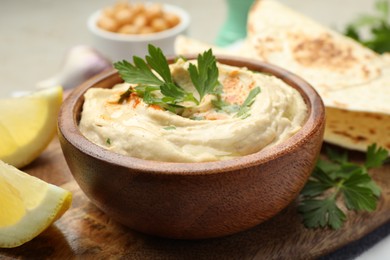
[378, 26]
[322, 213]
[340, 181]
[375, 156]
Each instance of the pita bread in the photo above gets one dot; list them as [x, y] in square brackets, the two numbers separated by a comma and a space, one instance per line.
[373, 96]
[357, 130]
[353, 81]
[325, 58]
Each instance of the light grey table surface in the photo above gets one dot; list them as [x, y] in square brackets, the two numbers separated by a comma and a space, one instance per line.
[35, 35]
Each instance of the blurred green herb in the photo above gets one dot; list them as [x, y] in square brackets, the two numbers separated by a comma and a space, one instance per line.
[171, 127]
[378, 27]
[339, 181]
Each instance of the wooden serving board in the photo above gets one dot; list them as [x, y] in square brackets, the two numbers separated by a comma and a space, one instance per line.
[84, 232]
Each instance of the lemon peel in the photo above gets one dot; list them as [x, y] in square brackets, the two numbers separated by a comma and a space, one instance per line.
[28, 124]
[29, 205]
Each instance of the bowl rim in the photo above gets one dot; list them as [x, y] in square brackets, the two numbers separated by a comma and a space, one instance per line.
[68, 127]
[185, 20]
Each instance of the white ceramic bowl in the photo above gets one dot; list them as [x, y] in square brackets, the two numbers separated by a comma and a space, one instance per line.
[116, 46]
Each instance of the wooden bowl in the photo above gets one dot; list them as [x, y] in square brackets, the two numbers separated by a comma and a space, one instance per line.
[193, 200]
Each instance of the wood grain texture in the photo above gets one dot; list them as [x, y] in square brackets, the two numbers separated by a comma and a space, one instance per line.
[85, 232]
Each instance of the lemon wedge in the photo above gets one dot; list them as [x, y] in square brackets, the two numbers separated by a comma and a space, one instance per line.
[27, 125]
[28, 205]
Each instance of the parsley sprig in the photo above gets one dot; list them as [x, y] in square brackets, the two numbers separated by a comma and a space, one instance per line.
[378, 26]
[337, 181]
[204, 76]
[156, 86]
[141, 73]
[242, 110]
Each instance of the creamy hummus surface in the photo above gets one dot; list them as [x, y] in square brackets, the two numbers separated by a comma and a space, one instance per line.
[201, 133]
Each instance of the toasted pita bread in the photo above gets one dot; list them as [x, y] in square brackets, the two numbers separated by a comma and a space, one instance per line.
[353, 81]
[357, 130]
[373, 96]
[359, 115]
[325, 58]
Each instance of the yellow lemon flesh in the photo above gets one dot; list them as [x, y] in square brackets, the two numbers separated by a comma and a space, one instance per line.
[28, 205]
[27, 125]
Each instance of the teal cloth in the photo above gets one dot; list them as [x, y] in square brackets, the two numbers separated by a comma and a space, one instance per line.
[235, 25]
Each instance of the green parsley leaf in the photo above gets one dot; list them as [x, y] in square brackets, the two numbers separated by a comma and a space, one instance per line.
[340, 181]
[317, 184]
[124, 96]
[171, 127]
[221, 105]
[241, 111]
[375, 157]
[244, 109]
[356, 196]
[139, 73]
[327, 167]
[159, 63]
[376, 190]
[197, 118]
[204, 76]
[166, 102]
[336, 156]
[141, 89]
[176, 93]
[322, 213]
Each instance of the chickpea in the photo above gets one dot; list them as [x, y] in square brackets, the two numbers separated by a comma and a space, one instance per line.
[154, 11]
[159, 24]
[146, 30]
[108, 24]
[171, 19]
[129, 29]
[138, 8]
[140, 20]
[124, 16]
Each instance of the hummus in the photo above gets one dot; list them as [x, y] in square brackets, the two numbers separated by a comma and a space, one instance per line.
[201, 133]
